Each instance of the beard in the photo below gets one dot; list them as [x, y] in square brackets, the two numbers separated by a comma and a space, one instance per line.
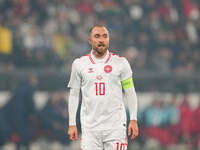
[100, 48]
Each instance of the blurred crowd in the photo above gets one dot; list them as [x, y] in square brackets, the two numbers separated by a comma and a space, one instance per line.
[161, 123]
[21, 122]
[154, 35]
[158, 35]
[171, 123]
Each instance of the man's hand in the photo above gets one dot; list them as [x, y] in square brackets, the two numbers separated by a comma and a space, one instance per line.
[73, 133]
[133, 129]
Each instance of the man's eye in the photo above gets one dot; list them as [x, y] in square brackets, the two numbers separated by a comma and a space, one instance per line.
[105, 36]
[96, 35]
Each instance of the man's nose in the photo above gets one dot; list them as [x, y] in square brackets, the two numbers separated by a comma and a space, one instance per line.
[101, 40]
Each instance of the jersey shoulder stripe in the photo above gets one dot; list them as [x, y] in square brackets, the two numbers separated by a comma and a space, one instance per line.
[113, 54]
[109, 56]
[92, 61]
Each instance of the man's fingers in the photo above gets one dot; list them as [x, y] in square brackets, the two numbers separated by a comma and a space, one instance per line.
[133, 137]
[134, 134]
[73, 133]
[76, 134]
[68, 133]
[133, 129]
[129, 131]
[72, 136]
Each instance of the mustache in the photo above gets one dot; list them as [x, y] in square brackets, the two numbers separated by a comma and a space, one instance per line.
[101, 44]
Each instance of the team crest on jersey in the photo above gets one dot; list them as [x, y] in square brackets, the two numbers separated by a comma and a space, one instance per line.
[99, 77]
[108, 68]
[90, 70]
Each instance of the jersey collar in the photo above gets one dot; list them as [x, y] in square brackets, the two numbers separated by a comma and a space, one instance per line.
[95, 60]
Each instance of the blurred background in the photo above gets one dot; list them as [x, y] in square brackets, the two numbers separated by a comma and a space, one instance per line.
[40, 38]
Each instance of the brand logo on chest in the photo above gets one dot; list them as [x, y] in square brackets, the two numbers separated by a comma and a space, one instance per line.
[90, 70]
[108, 68]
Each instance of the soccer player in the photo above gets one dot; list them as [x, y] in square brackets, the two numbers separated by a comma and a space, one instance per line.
[102, 76]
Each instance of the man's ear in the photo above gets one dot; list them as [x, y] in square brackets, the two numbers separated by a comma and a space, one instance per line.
[89, 39]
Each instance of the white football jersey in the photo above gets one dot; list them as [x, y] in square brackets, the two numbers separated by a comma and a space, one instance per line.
[100, 83]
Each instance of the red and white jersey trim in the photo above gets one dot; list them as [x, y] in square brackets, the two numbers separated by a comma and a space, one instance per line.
[93, 62]
[109, 56]
[90, 57]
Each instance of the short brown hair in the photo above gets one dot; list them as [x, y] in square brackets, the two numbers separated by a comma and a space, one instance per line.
[98, 25]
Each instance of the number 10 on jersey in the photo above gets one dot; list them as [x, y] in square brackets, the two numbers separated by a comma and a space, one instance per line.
[100, 88]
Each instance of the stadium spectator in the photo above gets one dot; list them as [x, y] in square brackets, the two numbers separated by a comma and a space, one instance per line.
[4, 127]
[160, 120]
[150, 117]
[20, 110]
[166, 31]
[186, 121]
[155, 36]
[53, 118]
[196, 129]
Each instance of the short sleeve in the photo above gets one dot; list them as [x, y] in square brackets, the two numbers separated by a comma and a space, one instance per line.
[75, 78]
[126, 71]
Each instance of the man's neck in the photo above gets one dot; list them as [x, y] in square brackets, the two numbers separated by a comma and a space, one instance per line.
[98, 55]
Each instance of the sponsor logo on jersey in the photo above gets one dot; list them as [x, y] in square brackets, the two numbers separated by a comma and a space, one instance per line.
[108, 68]
[99, 77]
[90, 70]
